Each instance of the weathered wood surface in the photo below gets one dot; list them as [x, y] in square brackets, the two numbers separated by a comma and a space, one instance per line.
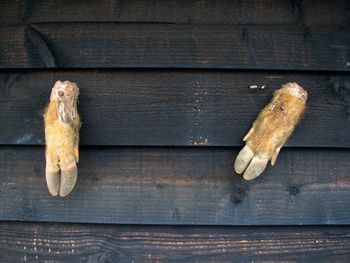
[173, 108]
[179, 186]
[105, 243]
[106, 45]
[182, 11]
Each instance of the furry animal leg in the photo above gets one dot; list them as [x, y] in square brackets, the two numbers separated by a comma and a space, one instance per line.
[62, 124]
[271, 130]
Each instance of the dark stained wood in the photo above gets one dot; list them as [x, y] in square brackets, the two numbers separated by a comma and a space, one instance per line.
[159, 85]
[179, 186]
[182, 11]
[94, 45]
[106, 243]
[173, 107]
[11, 45]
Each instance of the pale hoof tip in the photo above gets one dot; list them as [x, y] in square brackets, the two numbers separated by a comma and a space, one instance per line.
[53, 192]
[255, 168]
[69, 177]
[239, 166]
[243, 159]
[53, 180]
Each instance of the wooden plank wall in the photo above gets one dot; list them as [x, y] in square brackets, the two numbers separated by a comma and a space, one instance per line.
[165, 103]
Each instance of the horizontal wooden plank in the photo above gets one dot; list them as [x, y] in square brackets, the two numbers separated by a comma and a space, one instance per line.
[96, 45]
[173, 108]
[182, 11]
[179, 186]
[107, 243]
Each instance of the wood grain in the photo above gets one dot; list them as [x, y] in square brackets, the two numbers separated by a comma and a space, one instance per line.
[260, 12]
[173, 95]
[173, 107]
[107, 243]
[194, 186]
[110, 45]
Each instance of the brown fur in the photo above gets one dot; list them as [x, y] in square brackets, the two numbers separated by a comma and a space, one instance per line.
[274, 125]
[62, 124]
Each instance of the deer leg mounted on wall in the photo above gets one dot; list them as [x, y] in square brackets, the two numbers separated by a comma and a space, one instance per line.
[271, 130]
[62, 124]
